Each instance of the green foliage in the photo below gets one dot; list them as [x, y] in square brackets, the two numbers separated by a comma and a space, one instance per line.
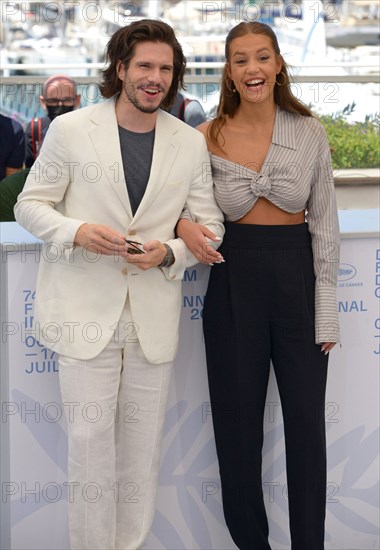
[353, 145]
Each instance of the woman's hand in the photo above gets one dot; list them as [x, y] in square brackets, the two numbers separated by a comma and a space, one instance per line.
[197, 238]
[327, 346]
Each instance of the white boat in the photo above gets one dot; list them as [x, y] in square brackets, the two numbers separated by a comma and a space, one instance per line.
[357, 23]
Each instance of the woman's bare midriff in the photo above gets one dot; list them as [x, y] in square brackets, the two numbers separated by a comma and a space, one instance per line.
[265, 212]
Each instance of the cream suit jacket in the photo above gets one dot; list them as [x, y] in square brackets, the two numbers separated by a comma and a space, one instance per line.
[77, 178]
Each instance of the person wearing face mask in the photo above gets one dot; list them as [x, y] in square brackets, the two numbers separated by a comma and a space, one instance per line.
[59, 96]
[12, 146]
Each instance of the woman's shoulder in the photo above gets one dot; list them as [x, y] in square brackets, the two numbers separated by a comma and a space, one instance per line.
[315, 127]
[203, 128]
[309, 124]
[304, 120]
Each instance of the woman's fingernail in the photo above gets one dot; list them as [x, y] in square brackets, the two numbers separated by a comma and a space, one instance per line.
[218, 239]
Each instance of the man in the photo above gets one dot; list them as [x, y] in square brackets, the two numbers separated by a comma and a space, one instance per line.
[59, 96]
[188, 109]
[10, 188]
[121, 169]
[12, 146]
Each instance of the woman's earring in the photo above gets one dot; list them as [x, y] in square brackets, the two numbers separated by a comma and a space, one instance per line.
[230, 83]
[285, 80]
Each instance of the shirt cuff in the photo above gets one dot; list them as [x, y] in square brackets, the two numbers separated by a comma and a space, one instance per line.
[326, 315]
[186, 215]
[183, 259]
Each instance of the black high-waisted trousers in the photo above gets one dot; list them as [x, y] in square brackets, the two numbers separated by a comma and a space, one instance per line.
[260, 306]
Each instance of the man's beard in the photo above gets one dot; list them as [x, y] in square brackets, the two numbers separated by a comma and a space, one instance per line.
[132, 97]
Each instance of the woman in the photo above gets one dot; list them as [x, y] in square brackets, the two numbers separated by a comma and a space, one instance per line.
[274, 296]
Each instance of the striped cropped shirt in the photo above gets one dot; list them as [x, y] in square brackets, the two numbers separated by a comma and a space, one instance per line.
[296, 175]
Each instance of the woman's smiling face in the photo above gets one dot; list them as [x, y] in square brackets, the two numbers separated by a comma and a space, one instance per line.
[253, 66]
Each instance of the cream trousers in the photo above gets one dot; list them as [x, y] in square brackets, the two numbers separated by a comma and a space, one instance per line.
[115, 405]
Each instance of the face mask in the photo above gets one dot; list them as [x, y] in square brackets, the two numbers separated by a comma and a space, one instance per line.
[56, 110]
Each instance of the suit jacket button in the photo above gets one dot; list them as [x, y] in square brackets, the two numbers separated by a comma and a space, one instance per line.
[132, 232]
[125, 271]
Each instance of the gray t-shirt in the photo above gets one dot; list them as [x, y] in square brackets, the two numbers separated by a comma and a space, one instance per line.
[136, 152]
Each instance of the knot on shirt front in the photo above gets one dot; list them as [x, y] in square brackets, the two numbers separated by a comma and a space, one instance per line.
[260, 185]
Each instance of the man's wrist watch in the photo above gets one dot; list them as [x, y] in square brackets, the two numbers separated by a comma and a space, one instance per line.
[169, 258]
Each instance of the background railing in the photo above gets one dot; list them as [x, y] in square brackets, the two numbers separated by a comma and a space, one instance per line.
[20, 93]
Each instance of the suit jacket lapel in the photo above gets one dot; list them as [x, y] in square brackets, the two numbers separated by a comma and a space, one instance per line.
[164, 153]
[104, 136]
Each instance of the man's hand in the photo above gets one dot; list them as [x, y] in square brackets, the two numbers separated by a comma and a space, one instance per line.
[105, 240]
[155, 252]
[101, 239]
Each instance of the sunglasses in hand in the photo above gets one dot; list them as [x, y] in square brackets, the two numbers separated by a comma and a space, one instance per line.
[134, 247]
